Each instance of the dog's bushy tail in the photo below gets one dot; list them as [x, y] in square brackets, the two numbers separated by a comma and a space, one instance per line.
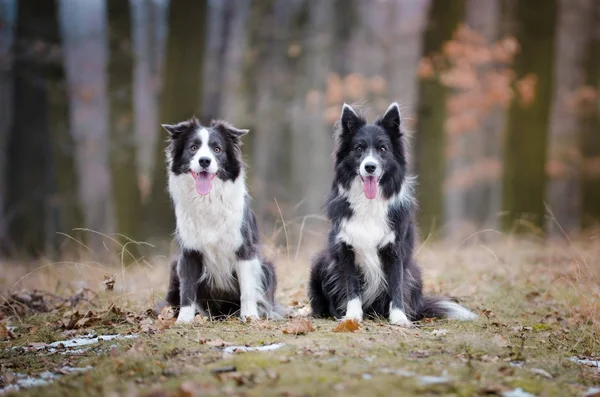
[440, 307]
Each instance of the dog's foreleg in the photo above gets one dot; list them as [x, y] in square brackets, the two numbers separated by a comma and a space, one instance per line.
[345, 257]
[250, 278]
[393, 263]
[189, 272]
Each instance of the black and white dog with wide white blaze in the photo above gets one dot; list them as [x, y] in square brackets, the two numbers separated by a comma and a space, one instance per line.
[220, 270]
[368, 265]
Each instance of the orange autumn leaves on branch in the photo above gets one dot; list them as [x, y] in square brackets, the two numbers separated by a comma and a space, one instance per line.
[480, 75]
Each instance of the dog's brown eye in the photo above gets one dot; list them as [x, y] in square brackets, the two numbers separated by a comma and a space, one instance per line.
[193, 148]
[359, 149]
[217, 149]
[382, 149]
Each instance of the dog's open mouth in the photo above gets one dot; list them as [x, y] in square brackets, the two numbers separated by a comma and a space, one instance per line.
[203, 182]
[370, 185]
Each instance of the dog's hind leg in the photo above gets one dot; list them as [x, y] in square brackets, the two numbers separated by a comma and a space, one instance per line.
[320, 302]
[189, 270]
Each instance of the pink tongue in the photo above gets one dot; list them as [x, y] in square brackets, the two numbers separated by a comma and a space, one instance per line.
[203, 183]
[370, 187]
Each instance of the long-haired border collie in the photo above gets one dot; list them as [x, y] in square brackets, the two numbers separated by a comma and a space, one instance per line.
[220, 270]
[368, 265]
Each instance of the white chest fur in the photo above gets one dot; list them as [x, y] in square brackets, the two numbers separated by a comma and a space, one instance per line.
[367, 231]
[211, 224]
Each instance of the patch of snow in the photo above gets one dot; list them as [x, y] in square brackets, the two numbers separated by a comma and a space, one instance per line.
[423, 380]
[586, 361]
[432, 380]
[85, 340]
[518, 392]
[89, 339]
[367, 376]
[23, 381]
[265, 348]
[517, 364]
[592, 391]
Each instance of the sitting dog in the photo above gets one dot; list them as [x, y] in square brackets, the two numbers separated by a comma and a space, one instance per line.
[368, 265]
[220, 270]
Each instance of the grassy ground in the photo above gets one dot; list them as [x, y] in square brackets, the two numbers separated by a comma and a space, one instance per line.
[538, 303]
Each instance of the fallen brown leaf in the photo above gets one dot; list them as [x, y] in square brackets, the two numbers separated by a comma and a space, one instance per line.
[347, 326]
[501, 341]
[5, 333]
[109, 283]
[166, 318]
[300, 326]
[217, 343]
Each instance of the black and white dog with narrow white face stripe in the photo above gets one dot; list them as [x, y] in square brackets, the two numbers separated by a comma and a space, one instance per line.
[368, 265]
[220, 270]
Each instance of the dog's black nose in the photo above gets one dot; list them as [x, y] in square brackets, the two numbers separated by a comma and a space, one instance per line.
[370, 167]
[204, 162]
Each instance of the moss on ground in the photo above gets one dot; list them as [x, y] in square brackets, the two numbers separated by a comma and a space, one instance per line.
[531, 323]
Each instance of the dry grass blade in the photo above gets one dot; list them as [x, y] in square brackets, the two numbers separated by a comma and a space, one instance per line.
[300, 326]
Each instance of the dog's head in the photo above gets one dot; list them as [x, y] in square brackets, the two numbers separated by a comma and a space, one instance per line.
[205, 153]
[372, 152]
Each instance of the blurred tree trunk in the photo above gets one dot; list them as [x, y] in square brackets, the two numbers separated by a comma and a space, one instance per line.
[7, 30]
[311, 134]
[475, 205]
[65, 212]
[589, 125]
[443, 19]
[221, 20]
[233, 95]
[29, 160]
[563, 164]
[526, 134]
[123, 148]
[181, 99]
[270, 149]
[406, 20]
[83, 27]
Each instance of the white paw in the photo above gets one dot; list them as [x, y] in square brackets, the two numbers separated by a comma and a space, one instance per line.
[354, 310]
[274, 316]
[186, 315]
[398, 317]
[249, 316]
[355, 317]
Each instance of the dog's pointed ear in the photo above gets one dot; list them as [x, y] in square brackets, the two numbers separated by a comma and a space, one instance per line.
[392, 119]
[228, 129]
[350, 120]
[175, 130]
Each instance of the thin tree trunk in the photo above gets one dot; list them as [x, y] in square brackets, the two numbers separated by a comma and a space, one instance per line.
[311, 136]
[589, 125]
[83, 26]
[181, 99]
[524, 180]
[444, 17]
[7, 30]
[573, 34]
[123, 148]
[222, 15]
[481, 202]
[29, 160]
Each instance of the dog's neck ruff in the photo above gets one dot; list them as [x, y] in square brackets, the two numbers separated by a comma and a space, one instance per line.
[211, 224]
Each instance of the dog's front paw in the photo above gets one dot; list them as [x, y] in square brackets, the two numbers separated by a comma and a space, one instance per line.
[274, 316]
[356, 316]
[249, 316]
[398, 317]
[186, 315]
